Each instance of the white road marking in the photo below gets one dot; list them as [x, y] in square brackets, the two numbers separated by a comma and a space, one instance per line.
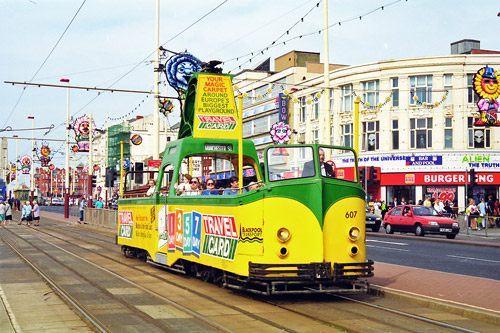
[385, 242]
[472, 258]
[387, 248]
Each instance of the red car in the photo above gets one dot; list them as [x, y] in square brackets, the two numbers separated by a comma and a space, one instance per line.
[421, 220]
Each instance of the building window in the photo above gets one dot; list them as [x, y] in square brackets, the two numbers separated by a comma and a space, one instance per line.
[421, 87]
[303, 106]
[395, 134]
[471, 95]
[347, 98]
[247, 100]
[332, 138]
[247, 128]
[395, 91]
[331, 102]
[370, 92]
[448, 132]
[448, 86]
[315, 107]
[347, 136]
[421, 133]
[370, 135]
[479, 137]
[315, 136]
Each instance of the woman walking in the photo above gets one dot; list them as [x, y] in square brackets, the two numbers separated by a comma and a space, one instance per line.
[8, 212]
[26, 214]
[36, 213]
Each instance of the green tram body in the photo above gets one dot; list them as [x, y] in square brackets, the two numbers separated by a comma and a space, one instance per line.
[291, 235]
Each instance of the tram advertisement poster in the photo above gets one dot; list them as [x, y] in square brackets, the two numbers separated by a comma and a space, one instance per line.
[136, 222]
[215, 111]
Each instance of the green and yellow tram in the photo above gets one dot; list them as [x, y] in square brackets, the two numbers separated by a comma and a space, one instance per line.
[300, 230]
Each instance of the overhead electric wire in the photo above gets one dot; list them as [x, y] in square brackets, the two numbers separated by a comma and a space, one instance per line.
[46, 58]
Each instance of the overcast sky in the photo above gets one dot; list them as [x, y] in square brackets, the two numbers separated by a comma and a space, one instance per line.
[111, 43]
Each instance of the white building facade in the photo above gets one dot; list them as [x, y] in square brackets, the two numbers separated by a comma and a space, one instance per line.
[415, 124]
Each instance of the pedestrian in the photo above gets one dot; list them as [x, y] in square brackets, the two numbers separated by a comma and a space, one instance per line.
[99, 203]
[384, 208]
[18, 204]
[482, 212]
[83, 204]
[3, 209]
[491, 206]
[26, 214]
[472, 212]
[439, 207]
[427, 202]
[36, 214]
[8, 213]
[394, 203]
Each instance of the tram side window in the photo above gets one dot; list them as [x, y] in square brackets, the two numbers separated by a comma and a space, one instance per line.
[289, 163]
[166, 180]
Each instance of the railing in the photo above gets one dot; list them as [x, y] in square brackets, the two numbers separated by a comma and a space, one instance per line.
[479, 225]
[101, 217]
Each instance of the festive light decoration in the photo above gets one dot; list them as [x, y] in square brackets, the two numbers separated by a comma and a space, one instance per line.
[136, 139]
[52, 167]
[75, 148]
[45, 155]
[179, 68]
[96, 167]
[82, 128]
[26, 164]
[486, 87]
[166, 106]
[127, 115]
[13, 170]
[373, 107]
[280, 133]
[431, 105]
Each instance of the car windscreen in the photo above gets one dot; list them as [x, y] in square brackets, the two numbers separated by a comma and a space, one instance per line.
[424, 211]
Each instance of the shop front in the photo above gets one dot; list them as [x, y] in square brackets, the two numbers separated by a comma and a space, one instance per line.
[447, 186]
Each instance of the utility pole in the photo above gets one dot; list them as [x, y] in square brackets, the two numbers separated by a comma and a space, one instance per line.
[66, 188]
[156, 111]
[326, 96]
[91, 161]
[32, 172]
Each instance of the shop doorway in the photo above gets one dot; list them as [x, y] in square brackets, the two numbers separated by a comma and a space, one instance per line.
[403, 192]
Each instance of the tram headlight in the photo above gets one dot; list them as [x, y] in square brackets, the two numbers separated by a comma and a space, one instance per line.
[283, 235]
[354, 233]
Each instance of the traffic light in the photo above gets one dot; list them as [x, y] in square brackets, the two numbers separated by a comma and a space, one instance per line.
[362, 174]
[110, 177]
[472, 177]
[94, 181]
[372, 176]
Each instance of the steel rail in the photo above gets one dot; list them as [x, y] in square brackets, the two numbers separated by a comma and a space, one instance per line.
[405, 314]
[178, 306]
[97, 324]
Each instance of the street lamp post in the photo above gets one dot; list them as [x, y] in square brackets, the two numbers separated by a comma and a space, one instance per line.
[32, 172]
[66, 184]
[17, 159]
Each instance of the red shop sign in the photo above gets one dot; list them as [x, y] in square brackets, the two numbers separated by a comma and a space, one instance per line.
[438, 178]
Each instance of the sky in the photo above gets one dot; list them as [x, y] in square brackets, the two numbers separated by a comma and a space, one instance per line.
[110, 44]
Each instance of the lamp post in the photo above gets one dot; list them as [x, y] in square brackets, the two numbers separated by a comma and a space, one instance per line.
[66, 183]
[32, 171]
[17, 159]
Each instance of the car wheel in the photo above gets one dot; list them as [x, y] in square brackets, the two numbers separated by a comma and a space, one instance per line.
[388, 229]
[376, 229]
[419, 231]
[451, 236]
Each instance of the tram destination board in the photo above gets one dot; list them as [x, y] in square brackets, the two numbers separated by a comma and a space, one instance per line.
[218, 147]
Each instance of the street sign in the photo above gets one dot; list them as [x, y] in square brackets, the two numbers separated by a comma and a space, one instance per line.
[154, 163]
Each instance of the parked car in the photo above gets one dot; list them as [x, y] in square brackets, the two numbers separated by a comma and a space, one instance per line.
[57, 202]
[420, 220]
[373, 221]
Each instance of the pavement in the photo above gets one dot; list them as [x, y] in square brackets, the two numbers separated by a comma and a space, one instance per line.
[467, 296]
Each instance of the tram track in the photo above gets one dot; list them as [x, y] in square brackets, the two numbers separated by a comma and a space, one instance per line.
[377, 319]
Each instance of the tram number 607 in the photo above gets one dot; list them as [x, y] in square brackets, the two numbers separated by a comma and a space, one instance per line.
[351, 214]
